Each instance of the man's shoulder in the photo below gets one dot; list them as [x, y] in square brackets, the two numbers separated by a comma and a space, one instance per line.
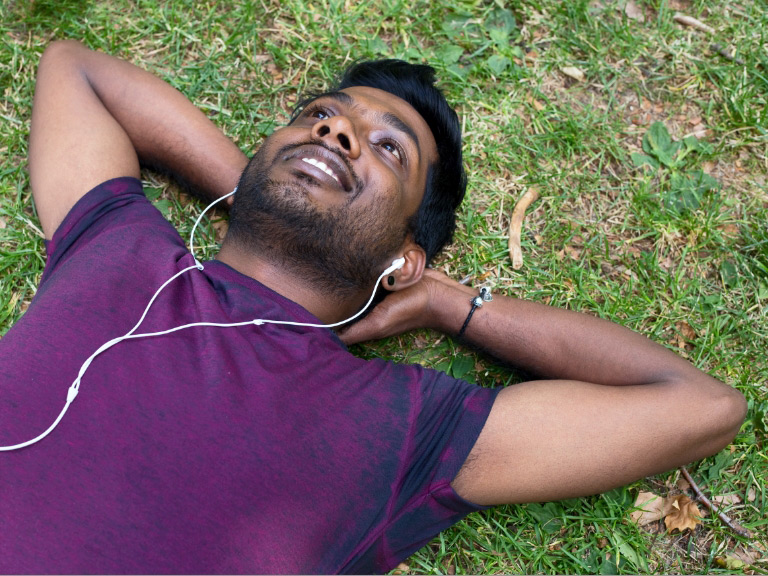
[115, 219]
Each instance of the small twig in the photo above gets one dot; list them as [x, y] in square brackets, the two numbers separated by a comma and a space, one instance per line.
[726, 54]
[713, 507]
[516, 226]
[692, 22]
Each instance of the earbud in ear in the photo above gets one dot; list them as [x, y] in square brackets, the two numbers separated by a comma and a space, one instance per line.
[396, 265]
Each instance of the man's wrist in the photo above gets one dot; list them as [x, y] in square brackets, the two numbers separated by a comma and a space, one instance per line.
[449, 305]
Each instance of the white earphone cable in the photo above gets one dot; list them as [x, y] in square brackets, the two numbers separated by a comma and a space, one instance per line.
[74, 388]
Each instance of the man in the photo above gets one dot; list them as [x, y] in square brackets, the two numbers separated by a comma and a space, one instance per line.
[267, 447]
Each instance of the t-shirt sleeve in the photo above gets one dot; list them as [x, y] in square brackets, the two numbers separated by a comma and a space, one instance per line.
[116, 203]
[449, 415]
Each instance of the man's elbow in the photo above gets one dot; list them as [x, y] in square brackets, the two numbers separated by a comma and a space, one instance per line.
[736, 410]
[725, 415]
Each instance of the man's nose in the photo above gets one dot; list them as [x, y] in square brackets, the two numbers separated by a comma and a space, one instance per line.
[338, 132]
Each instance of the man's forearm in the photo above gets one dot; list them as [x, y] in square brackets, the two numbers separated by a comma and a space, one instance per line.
[167, 130]
[557, 343]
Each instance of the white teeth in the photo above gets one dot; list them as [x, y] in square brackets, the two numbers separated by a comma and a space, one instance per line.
[322, 165]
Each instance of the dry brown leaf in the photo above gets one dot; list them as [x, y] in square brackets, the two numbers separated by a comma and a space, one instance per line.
[573, 72]
[730, 230]
[683, 514]
[682, 484]
[634, 12]
[3, 223]
[221, 227]
[573, 253]
[667, 262]
[402, 568]
[747, 556]
[727, 499]
[686, 330]
[684, 336]
[651, 508]
[738, 559]
[751, 495]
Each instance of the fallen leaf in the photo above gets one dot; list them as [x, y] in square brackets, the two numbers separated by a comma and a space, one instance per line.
[574, 73]
[402, 568]
[751, 495]
[221, 227]
[573, 253]
[685, 335]
[682, 484]
[729, 562]
[730, 230]
[727, 499]
[686, 330]
[651, 508]
[3, 223]
[532, 55]
[746, 556]
[684, 514]
[633, 11]
[667, 264]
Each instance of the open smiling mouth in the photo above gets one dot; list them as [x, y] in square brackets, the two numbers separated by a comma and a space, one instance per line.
[323, 166]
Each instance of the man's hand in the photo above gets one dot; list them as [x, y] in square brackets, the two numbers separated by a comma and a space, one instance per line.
[608, 412]
[95, 117]
[404, 310]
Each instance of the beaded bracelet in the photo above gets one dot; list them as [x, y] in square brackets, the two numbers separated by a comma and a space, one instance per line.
[477, 302]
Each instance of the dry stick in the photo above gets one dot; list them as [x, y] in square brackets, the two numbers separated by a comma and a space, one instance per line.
[692, 22]
[726, 54]
[516, 225]
[711, 505]
[699, 25]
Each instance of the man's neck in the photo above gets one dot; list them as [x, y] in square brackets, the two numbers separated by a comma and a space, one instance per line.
[327, 307]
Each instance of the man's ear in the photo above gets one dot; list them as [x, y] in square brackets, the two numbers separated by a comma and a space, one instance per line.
[410, 272]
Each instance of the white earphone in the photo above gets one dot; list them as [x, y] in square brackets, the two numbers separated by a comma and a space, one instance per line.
[396, 265]
[74, 388]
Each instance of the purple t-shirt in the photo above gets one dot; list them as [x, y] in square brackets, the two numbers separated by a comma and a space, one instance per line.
[254, 449]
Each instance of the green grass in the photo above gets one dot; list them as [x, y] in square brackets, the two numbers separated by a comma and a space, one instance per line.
[607, 237]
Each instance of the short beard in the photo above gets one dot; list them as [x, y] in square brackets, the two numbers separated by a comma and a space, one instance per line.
[338, 252]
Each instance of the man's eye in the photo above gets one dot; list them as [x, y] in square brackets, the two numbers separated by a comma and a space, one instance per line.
[393, 149]
[318, 113]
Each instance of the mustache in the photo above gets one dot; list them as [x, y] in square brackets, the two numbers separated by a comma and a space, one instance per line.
[357, 184]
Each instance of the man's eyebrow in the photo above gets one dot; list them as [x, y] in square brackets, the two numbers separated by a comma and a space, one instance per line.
[386, 118]
[341, 97]
[395, 122]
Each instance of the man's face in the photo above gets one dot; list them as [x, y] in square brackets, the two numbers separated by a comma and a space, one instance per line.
[335, 189]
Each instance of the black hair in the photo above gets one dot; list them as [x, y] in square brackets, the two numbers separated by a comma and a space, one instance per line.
[433, 224]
